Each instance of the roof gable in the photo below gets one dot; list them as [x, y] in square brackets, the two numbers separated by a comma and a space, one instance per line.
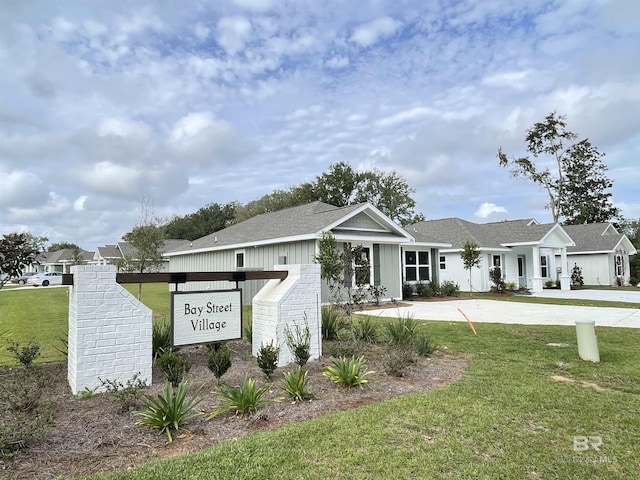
[597, 237]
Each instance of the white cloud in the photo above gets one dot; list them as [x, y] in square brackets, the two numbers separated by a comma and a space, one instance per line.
[337, 62]
[233, 33]
[368, 34]
[486, 209]
[412, 114]
[21, 188]
[79, 203]
[255, 5]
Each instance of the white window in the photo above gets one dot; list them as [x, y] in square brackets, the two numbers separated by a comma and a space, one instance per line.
[619, 265]
[443, 262]
[416, 266]
[496, 261]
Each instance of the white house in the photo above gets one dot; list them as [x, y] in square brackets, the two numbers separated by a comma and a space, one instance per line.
[529, 254]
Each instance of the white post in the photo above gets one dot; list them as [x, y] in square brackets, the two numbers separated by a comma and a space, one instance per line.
[565, 279]
[281, 305]
[536, 280]
[109, 331]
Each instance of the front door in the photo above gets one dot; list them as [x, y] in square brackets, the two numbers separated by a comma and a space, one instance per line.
[522, 271]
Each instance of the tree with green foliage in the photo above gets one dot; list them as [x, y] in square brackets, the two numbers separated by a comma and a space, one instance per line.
[77, 258]
[577, 187]
[470, 256]
[17, 252]
[205, 221]
[54, 247]
[631, 228]
[147, 241]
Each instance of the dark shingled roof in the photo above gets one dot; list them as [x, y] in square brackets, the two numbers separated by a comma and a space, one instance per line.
[592, 237]
[291, 222]
[486, 235]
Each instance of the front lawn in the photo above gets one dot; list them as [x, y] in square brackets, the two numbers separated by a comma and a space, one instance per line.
[517, 413]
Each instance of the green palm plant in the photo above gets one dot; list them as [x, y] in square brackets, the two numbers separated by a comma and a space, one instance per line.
[170, 409]
[242, 399]
[295, 384]
[349, 372]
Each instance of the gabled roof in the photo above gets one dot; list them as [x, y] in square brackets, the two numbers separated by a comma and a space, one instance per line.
[490, 236]
[109, 251]
[298, 223]
[597, 237]
[65, 255]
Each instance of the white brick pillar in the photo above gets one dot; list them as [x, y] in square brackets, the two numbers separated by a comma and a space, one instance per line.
[109, 330]
[283, 304]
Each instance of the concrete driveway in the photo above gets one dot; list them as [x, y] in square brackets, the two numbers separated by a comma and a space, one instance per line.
[492, 311]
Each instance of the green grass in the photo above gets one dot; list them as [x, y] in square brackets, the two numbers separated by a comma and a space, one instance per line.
[506, 418]
[554, 301]
[41, 314]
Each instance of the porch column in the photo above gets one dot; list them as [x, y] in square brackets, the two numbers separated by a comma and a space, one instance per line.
[536, 280]
[565, 283]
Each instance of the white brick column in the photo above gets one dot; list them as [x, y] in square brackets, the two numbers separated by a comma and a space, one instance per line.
[109, 330]
[283, 304]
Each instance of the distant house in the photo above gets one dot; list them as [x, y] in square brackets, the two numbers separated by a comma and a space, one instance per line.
[291, 236]
[115, 254]
[601, 253]
[529, 254]
[62, 260]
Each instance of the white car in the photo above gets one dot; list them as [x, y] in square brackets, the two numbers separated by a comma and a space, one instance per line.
[45, 279]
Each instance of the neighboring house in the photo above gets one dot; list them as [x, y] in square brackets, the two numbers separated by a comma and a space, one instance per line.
[115, 254]
[528, 254]
[291, 236]
[62, 260]
[601, 252]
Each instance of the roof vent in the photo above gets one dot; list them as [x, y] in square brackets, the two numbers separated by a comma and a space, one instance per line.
[215, 239]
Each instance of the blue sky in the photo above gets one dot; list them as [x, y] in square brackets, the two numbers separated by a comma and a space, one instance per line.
[188, 103]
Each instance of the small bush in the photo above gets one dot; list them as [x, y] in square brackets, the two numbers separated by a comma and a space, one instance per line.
[377, 292]
[349, 372]
[170, 409]
[428, 289]
[510, 286]
[347, 347]
[160, 337]
[219, 359]
[24, 354]
[449, 289]
[243, 399]
[295, 385]
[408, 291]
[63, 346]
[174, 366]
[299, 342]
[247, 329]
[333, 320]
[495, 275]
[396, 361]
[549, 284]
[129, 394]
[268, 358]
[365, 329]
[402, 331]
[619, 281]
[633, 281]
[424, 345]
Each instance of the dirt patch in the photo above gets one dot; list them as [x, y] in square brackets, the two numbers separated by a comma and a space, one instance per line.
[595, 386]
[93, 435]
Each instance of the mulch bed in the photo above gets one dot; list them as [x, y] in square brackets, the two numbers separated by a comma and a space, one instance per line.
[93, 435]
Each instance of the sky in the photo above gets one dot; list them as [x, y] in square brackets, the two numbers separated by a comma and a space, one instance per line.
[104, 104]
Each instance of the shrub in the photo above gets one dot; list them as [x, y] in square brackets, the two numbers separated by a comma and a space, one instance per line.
[402, 331]
[243, 399]
[63, 346]
[549, 284]
[333, 320]
[23, 415]
[247, 329]
[174, 366]
[170, 409]
[160, 337]
[365, 329]
[219, 359]
[376, 292]
[24, 354]
[396, 361]
[295, 385]
[299, 342]
[407, 290]
[633, 281]
[449, 289]
[428, 289]
[424, 345]
[510, 286]
[127, 395]
[347, 371]
[619, 281]
[268, 358]
[576, 276]
[495, 275]
[346, 347]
